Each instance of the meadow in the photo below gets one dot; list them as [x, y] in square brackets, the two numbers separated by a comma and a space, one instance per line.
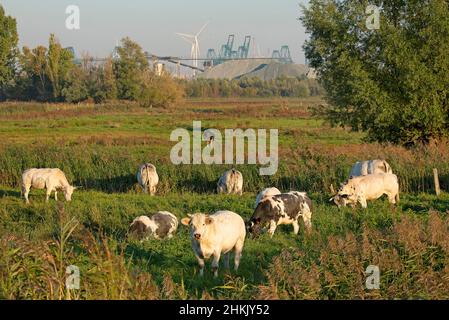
[100, 147]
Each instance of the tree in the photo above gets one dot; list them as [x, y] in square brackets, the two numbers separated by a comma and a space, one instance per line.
[58, 67]
[129, 69]
[8, 50]
[392, 82]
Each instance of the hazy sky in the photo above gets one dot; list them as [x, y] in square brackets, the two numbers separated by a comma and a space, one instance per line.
[153, 23]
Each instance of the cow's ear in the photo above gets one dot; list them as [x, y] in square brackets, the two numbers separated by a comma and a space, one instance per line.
[185, 221]
[209, 220]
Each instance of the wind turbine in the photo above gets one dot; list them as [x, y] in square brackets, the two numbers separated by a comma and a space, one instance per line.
[195, 50]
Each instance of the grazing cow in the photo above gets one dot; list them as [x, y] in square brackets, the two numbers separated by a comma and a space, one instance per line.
[362, 168]
[148, 178]
[231, 182]
[267, 192]
[50, 179]
[284, 208]
[160, 225]
[365, 188]
[216, 234]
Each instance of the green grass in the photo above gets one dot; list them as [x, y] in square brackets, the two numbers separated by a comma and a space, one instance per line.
[101, 147]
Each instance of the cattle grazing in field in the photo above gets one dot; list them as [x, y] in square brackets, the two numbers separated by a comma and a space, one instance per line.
[51, 179]
[365, 188]
[231, 182]
[284, 208]
[363, 168]
[161, 225]
[148, 178]
[214, 235]
[267, 192]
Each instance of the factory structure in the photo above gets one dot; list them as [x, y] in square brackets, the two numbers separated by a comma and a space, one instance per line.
[231, 60]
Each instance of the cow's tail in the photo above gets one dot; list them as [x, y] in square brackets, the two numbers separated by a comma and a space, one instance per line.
[387, 167]
[148, 183]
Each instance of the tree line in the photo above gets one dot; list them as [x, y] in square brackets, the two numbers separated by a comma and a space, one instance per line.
[299, 87]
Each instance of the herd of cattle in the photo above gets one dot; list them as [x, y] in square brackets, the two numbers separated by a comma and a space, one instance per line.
[224, 231]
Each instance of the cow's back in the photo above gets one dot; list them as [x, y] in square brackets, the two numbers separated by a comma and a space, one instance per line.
[229, 227]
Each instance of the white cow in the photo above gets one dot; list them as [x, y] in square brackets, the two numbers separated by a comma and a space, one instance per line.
[148, 178]
[51, 179]
[365, 188]
[161, 225]
[362, 168]
[216, 234]
[231, 182]
[266, 193]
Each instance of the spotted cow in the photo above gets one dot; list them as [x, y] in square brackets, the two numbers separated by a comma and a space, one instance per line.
[285, 208]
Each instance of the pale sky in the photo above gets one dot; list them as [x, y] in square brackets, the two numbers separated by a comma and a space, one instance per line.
[153, 23]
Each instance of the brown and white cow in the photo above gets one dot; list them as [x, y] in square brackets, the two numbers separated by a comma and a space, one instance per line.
[52, 179]
[161, 225]
[285, 208]
[214, 235]
[231, 182]
[365, 188]
[148, 178]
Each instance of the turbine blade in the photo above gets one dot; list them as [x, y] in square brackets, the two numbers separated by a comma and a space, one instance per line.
[202, 29]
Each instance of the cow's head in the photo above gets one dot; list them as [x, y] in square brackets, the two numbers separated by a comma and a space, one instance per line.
[68, 191]
[347, 194]
[198, 223]
[261, 216]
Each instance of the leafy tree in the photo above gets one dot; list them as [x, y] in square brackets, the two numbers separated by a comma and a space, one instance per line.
[159, 91]
[129, 69]
[8, 50]
[392, 82]
[58, 67]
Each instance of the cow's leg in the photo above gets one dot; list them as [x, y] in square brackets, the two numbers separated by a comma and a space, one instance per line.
[238, 253]
[307, 218]
[47, 196]
[56, 195]
[215, 263]
[295, 227]
[273, 226]
[201, 264]
[26, 192]
[363, 203]
[226, 260]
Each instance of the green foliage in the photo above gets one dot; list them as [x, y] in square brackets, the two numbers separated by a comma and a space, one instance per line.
[8, 50]
[393, 82]
[159, 91]
[129, 69]
[46, 74]
[252, 87]
[59, 65]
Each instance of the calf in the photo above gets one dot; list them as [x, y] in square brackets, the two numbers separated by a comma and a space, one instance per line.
[285, 208]
[364, 188]
[231, 182]
[148, 178]
[50, 179]
[216, 234]
[160, 225]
